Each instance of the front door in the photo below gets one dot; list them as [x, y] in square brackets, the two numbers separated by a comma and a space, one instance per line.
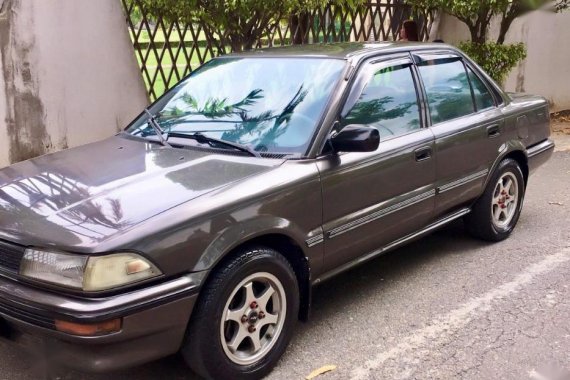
[371, 199]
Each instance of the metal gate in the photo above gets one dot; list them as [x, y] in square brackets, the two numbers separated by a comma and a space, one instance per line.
[167, 52]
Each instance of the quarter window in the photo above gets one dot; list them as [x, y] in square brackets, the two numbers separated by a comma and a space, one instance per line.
[447, 89]
[483, 98]
[388, 102]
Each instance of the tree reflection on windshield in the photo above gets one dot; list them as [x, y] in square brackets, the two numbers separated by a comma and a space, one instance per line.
[237, 113]
[213, 108]
[280, 124]
[268, 104]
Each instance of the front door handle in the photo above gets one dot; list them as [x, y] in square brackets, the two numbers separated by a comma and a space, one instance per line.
[423, 153]
[493, 131]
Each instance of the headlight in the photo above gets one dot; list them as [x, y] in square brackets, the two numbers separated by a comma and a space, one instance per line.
[56, 268]
[106, 272]
[88, 273]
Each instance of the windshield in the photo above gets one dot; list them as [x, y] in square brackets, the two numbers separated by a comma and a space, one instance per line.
[267, 104]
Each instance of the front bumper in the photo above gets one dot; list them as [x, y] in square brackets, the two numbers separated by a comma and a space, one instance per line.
[154, 322]
[540, 153]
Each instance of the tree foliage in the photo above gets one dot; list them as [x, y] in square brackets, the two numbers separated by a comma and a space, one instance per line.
[237, 23]
[496, 59]
[477, 14]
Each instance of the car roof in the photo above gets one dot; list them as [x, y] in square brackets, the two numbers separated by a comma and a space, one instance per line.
[342, 50]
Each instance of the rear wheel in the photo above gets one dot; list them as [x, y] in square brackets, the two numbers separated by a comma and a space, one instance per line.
[244, 318]
[496, 213]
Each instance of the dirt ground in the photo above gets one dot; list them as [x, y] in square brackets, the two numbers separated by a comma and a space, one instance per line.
[561, 130]
[561, 122]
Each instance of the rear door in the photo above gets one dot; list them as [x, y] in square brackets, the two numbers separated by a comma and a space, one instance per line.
[371, 199]
[466, 124]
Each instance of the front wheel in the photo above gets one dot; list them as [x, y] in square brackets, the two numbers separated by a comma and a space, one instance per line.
[495, 214]
[244, 318]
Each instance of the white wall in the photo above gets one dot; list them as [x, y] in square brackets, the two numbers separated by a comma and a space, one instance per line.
[69, 75]
[546, 70]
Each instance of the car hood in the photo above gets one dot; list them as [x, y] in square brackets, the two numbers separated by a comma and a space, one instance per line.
[77, 198]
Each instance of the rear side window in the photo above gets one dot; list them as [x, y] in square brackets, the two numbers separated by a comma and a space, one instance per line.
[447, 89]
[388, 102]
[483, 98]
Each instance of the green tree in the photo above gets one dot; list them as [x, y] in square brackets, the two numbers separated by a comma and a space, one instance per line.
[237, 23]
[477, 14]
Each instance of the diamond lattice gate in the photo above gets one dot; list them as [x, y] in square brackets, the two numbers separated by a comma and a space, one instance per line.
[167, 52]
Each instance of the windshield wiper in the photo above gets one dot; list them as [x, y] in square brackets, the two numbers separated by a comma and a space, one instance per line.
[203, 139]
[154, 124]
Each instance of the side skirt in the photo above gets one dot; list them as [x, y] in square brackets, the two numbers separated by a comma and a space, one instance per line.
[378, 252]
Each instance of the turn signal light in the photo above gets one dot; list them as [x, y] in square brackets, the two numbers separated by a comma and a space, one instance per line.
[91, 329]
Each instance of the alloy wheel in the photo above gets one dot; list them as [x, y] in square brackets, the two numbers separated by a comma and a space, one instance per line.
[253, 318]
[505, 200]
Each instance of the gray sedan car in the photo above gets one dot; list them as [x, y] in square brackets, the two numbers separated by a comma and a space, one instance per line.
[202, 227]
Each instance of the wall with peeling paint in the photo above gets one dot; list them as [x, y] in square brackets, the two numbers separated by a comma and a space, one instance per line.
[69, 75]
[546, 71]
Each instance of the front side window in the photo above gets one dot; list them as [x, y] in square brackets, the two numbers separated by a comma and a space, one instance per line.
[447, 89]
[267, 104]
[388, 102]
[483, 98]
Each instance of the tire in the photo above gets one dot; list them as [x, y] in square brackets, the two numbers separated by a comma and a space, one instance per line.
[230, 293]
[482, 222]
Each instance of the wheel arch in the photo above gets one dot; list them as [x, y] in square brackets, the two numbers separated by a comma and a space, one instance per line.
[479, 222]
[514, 150]
[521, 158]
[289, 248]
[293, 252]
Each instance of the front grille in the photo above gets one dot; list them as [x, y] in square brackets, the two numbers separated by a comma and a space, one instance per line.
[30, 316]
[10, 256]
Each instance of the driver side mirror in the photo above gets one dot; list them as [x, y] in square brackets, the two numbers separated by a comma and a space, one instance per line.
[356, 138]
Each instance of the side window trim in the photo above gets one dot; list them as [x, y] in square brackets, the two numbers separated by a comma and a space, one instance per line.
[448, 56]
[352, 76]
[364, 75]
[475, 108]
[495, 90]
[367, 71]
[422, 57]
[425, 117]
[491, 91]
[419, 57]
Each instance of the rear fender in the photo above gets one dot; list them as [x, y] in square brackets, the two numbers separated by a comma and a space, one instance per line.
[504, 150]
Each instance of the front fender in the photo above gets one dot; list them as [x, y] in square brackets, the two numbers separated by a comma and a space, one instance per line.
[195, 236]
[238, 234]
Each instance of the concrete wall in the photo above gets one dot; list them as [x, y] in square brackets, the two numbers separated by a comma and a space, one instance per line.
[69, 75]
[546, 71]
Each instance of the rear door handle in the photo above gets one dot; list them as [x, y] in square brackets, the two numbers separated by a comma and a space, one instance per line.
[423, 153]
[493, 131]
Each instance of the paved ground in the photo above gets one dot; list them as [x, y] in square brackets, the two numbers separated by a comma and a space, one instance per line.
[445, 307]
